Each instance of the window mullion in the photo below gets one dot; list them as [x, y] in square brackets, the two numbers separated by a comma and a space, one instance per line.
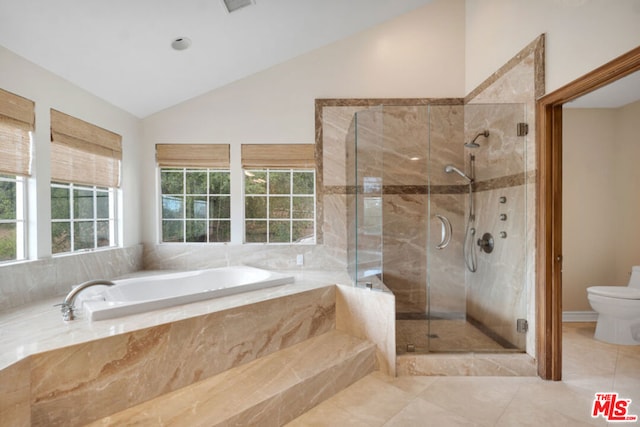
[72, 225]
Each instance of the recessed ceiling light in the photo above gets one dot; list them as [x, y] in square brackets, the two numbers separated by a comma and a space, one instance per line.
[181, 43]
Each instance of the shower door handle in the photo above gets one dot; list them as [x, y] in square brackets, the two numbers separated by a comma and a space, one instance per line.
[447, 231]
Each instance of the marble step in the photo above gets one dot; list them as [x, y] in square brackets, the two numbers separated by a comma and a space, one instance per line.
[269, 391]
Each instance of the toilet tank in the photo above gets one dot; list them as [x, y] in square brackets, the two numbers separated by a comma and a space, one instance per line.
[634, 280]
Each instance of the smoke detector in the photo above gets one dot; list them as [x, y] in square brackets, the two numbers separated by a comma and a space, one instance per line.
[233, 5]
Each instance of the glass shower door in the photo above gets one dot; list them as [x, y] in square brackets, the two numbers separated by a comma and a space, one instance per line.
[476, 230]
[365, 168]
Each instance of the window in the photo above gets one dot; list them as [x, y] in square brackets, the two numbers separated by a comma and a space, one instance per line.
[12, 220]
[17, 118]
[279, 205]
[83, 217]
[196, 205]
[85, 175]
[195, 192]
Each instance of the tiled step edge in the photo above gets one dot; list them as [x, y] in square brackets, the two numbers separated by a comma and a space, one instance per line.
[269, 391]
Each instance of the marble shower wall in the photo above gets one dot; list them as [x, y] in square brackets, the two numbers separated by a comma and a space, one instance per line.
[393, 163]
[449, 195]
[496, 297]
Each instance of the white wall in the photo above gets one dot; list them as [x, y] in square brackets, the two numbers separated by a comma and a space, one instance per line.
[420, 54]
[50, 91]
[601, 207]
[580, 35]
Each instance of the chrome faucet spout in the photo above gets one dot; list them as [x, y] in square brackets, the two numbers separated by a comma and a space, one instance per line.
[67, 307]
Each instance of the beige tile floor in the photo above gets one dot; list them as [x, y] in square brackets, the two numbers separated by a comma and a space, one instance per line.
[589, 366]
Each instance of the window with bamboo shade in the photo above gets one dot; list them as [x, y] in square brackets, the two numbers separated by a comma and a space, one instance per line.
[17, 118]
[83, 153]
[279, 193]
[195, 192]
[85, 173]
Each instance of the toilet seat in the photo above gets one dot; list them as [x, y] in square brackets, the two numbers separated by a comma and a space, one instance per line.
[621, 292]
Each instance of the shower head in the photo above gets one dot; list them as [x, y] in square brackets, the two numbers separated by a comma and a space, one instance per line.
[473, 143]
[451, 168]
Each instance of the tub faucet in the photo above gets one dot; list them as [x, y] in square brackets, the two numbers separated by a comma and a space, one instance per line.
[67, 305]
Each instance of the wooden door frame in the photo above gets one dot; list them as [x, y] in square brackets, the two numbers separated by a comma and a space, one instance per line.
[549, 207]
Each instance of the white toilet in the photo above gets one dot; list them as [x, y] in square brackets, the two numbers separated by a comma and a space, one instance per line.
[618, 309]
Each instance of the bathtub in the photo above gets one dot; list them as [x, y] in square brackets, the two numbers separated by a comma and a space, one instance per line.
[146, 293]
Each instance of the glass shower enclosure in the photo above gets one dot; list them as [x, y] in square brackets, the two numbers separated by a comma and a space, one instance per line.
[436, 212]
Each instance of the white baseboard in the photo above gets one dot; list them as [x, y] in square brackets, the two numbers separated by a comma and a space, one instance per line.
[579, 316]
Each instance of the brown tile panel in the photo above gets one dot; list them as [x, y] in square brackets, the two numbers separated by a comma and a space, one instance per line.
[491, 184]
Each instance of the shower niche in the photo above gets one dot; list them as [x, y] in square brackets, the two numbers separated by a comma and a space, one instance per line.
[430, 188]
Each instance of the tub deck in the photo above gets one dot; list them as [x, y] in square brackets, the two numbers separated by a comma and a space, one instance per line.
[38, 327]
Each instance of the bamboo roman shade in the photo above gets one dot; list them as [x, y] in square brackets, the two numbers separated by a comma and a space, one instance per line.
[83, 153]
[193, 155]
[17, 118]
[278, 156]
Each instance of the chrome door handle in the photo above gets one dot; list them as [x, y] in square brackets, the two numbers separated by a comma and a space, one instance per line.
[446, 233]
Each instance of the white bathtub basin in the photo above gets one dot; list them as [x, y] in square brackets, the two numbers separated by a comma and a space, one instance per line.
[141, 294]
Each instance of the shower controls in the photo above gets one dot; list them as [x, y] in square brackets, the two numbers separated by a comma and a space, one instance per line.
[503, 234]
[503, 199]
[486, 243]
[503, 217]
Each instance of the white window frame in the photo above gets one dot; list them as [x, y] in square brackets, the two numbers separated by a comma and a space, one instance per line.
[20, 220]
[185, 220]
[247, 172]
[112, 219]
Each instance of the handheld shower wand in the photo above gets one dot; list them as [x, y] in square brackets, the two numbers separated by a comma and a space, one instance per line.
[451, 168]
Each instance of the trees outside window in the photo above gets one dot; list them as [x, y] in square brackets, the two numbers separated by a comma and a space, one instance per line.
[279, 206]
[82, 217]
[12, 220]
[196, 205]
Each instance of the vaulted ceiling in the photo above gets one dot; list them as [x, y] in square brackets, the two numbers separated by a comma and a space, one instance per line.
[120, 50]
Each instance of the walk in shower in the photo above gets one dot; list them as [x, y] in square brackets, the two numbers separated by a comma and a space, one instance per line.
[437, 213]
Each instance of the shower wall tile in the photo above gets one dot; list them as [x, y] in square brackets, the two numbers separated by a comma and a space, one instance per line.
[336, 223]
[336, 123]
[502, 153]
[521, 80]
[496, 294]
[405, 243]
[405, 135]
[31, 281]
[446, 267]
[446, 145]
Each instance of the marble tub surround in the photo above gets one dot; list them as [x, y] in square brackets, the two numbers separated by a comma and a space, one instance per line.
[126, 369]
[38, 327]
[52, 365]
[370, 314]
[269, 257]
[30, 281]
[269, 391]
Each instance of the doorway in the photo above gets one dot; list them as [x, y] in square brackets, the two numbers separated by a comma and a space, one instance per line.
[549, 212]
